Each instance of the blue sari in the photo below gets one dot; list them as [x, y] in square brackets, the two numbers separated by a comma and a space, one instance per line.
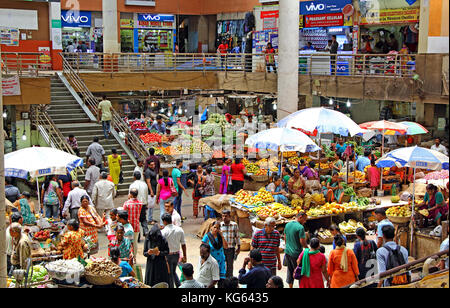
[280, 198]
[217, 254]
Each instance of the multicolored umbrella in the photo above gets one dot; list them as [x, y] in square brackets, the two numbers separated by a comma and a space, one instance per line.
[384, 126]
[413, 129]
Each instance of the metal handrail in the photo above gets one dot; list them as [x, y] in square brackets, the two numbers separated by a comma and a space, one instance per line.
[24, 63]
[117, 122]
[320, 63]
[49, 131]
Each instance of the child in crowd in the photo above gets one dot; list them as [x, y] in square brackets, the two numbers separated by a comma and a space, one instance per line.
[111, 224]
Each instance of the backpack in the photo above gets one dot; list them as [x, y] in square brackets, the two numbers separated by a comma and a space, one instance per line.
[396, 259]
[368, 252]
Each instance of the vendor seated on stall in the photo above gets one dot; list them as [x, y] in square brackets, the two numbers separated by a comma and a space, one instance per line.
[435, 204]
[72, 243]
[278, 193]
[296, 185]
[333, 190]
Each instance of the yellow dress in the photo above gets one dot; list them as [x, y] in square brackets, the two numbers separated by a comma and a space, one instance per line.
[114, 168]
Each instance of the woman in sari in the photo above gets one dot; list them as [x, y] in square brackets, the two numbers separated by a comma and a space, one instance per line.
[373, 175]
[339, 164]
[72, 243]
[25, 209]
[225, 178]
[277, 191]
[434, 203]
[342, 265]
[124, 244]
[333, 190]
[198, 182]
[296, 185]
[314, 265]
[89, 220]
[115, 165]
[217, 242]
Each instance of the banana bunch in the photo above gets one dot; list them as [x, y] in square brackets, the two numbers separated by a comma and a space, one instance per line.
[318, 199]
[324, 234]
[297, 203]
[350, 226]
[315, 212]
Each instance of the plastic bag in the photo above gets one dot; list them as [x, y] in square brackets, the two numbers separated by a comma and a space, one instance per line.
[151, 202]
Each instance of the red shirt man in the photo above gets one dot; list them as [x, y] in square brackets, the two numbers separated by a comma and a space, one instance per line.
[223, 48]
[133, 206]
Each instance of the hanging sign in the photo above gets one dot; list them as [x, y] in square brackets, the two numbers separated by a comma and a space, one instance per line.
[391, 16]
[11, 86]
[324, 20]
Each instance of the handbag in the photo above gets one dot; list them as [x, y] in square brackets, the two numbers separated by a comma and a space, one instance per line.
[298, 272]
[173, 190]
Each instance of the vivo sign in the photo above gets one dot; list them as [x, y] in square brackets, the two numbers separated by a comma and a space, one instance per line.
[75, 19]
[323, 6]
[155, 17]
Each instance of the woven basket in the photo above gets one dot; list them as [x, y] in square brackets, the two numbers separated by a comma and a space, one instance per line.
[399, 220]
[324, 171]
[326, 241]
[260, 178]
[261, 217]
[101, 280]
[242, 214]
[346, 199]
[245, 244]
[287, 216]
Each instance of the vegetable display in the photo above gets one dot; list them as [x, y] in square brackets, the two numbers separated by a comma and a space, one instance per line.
[103, 267]
[151, 138]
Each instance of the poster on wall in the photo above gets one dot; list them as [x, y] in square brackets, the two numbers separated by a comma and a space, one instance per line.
[11, 86]
[45, 57]
[9, 36]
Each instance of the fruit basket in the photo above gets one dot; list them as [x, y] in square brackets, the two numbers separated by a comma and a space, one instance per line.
[260, 178]
[287, 216]
[399, 219]
[262, 217]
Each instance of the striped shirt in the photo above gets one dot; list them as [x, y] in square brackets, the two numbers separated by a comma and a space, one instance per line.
[133, 207]
[268, 244]
[231, 234]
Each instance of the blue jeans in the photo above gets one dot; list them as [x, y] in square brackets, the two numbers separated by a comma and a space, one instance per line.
[150, 215]
[51, 210]
[106, 128]
[162, 209]
[177, 202]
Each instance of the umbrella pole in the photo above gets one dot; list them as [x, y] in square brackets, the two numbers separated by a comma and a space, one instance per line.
[382, 154]
[412, 212]
[320, 151]
[39, 196]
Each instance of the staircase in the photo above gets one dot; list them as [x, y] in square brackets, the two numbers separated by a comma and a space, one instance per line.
[70, 118]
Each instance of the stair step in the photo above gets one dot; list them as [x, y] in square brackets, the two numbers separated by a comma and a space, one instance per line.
[69, 120]
[55, 112]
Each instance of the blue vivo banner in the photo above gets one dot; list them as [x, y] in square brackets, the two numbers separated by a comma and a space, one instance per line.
[155, 17]
[76, 19]
[322, 6]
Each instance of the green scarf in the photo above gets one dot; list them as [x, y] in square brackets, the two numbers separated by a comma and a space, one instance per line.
[306, 266]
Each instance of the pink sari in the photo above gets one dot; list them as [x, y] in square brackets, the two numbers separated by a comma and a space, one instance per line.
[224, 180]
[374, 176]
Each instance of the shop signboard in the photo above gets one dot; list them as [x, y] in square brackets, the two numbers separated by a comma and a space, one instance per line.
[324, 20]
[155, 21]
[323, 6]
[156, 17]
[342, 69]
[391, 16]
[76, 19]
[127, 23]
[11, 86]
[269, 14]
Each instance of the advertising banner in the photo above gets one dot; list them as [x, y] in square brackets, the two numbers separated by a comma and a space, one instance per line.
[391, 16]
[11, 86]
[324, 20]
[323, 6]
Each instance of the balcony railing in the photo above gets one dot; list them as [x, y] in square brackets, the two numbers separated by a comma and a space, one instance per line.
[26, 64]
[395, 65]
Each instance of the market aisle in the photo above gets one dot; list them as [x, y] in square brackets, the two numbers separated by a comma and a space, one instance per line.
[190, 227]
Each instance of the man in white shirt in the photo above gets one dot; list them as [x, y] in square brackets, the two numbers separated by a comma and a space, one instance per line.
[439, 147]
[175, 238]
[73, 201]
[176, 218]
[103, 195]
[209, 273]
[142, 189]
[105, 113]
[92, 176]
[140, 168]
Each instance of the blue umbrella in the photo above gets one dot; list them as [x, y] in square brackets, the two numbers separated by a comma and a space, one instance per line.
[415, 157]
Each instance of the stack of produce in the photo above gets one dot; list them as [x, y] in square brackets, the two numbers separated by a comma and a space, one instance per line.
[103, 267]
[214, 120]
[252, 168]
[289, 154]
[294, 161]
[324, 235]
[275, 210]
[357, 175]
[318, 199]
[328, 152]
[399, 211]
[246, 198]
[350, 226]
[42, 235]
[151, 138]
[39, 274]
[199, 146]
[363, 202]
[297, 203]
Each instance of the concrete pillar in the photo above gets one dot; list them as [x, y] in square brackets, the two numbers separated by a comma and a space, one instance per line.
[110, 28]
[420, 112]
[424, 26]
[288, 36]
[54, 15]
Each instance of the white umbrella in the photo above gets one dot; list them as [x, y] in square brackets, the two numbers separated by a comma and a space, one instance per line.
[39, 161]
[321, 120]
[283, 139]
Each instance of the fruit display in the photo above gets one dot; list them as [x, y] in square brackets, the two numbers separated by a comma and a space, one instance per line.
[213, 121]
[437, 175]
[151, 138]
[350, 226]
[363, 202]
[395, 199]
[316, 212]
[399, 211]
[275, 210]
[246, 198]
[252, 168]
[357, 175]
[297, 203]
[324, 166]
[289, 154]
[294, 161]
[333, 208]
[328, 152]
[42, 235]
[324, 234]
[386, 171]
[318, 199]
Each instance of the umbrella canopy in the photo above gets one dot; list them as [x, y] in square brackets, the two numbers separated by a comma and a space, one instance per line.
[416, 157]
[285, 139]
[388, 162]
[322, 120]
[385, 126]
[413, 129]
[39, 161]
